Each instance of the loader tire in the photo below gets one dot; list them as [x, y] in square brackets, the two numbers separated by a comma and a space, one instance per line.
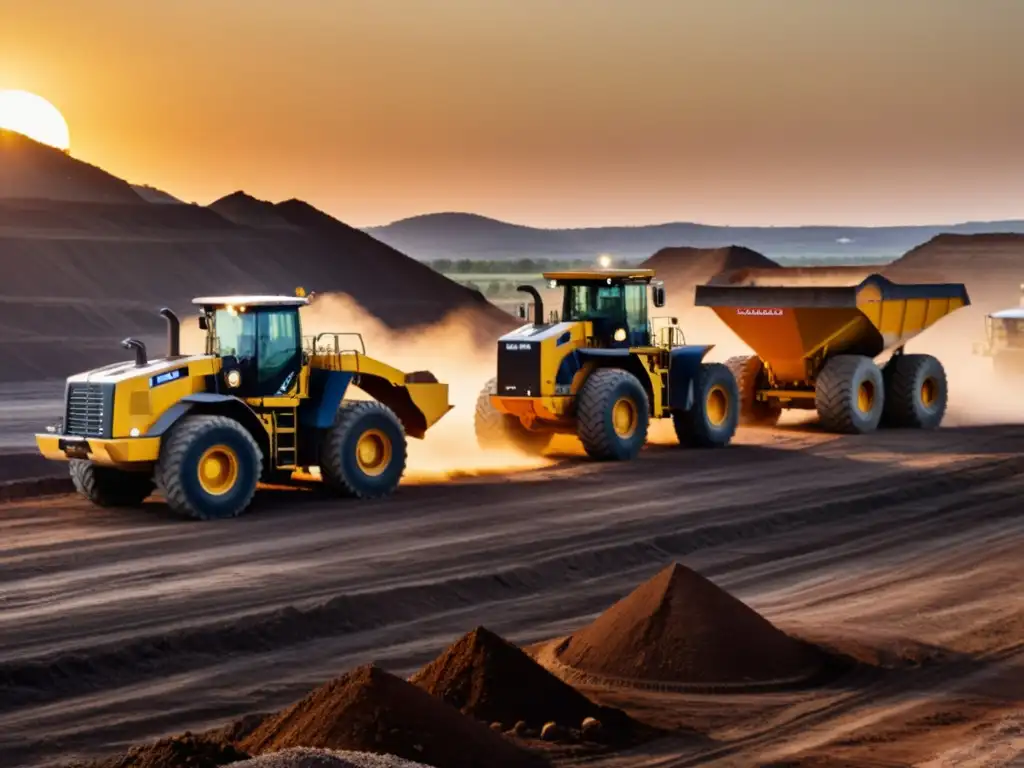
[363, 455]
[109, 487]
[850, 395]
[612, 415]
[747, 370]
[496, 430]
[209, 467]
[711, 421]
[916, 392]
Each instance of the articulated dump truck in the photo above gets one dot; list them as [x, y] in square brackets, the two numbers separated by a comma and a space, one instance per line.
[815, 348]
[261, 404]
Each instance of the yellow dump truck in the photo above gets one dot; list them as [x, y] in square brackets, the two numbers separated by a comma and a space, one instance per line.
[815, 348]
[260, 404]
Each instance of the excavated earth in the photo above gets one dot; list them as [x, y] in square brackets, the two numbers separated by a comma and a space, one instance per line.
[899, 551]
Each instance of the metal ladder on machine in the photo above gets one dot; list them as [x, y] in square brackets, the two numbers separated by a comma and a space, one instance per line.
[286, 434]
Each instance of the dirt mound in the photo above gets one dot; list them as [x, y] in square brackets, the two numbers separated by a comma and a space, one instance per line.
[990, 265]
[326, 758]
[489, 678]
[370, 710]
[678, 627]
[685, 267]
[80, 277]
[246, 210]
[29, 169]
[184, 751]
[796, 276]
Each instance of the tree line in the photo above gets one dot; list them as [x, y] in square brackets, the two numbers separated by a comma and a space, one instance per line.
[510, 266]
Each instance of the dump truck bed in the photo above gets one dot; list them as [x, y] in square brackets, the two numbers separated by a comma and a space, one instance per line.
[794, 329]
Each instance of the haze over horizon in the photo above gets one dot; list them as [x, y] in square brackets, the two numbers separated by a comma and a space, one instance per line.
[581, 113]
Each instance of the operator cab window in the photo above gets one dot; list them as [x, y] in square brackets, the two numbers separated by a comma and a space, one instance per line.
[265, 344]
[594, 302]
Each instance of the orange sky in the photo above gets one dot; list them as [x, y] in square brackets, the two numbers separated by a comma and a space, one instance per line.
[547, 112]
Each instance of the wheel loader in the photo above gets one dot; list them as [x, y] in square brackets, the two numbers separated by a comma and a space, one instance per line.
[815, 349]
[261, 404]
[601, 369]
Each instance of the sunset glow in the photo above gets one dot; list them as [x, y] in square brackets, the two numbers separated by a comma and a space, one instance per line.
[35, 117]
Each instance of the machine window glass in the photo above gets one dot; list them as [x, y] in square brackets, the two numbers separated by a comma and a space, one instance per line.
[636, 307]
[236, 334]
[588, 302]
[278, 346]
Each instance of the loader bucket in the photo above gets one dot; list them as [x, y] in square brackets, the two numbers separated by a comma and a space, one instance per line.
[794, 329]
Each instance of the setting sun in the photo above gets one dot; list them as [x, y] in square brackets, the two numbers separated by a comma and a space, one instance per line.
[35, 117]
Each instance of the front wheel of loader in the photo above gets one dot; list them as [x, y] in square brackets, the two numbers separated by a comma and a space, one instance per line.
[363, 454]
[748, 372]
[109, 487]
[612, 415]
[496, 430]
[850, 395]
[711, 421]
[209, 467]
[916, 392]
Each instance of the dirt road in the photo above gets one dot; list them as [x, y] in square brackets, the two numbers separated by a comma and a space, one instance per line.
[119, 626]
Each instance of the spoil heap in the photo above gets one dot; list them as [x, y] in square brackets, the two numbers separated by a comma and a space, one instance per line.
[680, 628]
[370, 710]
[184, 751]
[685, 267]
[489, 678]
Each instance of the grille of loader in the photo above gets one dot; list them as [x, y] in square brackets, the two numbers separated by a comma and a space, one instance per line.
[89, 410]
[518, 369]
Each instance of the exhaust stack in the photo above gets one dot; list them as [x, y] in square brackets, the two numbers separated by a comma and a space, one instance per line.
[173, 332]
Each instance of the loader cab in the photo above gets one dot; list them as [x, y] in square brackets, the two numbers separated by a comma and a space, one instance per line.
[259, 340]
[615, 302]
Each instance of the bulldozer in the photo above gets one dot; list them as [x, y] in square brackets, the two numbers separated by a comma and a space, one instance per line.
[815, 348]
[1004, 340]
[261, 404]
[601, 369]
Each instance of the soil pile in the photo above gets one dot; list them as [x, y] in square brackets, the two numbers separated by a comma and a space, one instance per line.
[78, 277]
[684, 268]
[326, 758]
[370, 710]
[29, 169]
[678, 627]
[796, 276]
[246, 210]
[487, 677]
[991, 266]
[184, 751]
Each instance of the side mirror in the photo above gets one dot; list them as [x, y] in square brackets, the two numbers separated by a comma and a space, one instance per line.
[675, 321]
[521, 311]
[659, 296]
[202, 323]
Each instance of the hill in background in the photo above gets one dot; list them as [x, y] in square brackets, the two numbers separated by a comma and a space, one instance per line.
[468, 236]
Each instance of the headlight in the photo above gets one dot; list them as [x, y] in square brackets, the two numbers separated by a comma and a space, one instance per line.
[620, 335]
[234, 379]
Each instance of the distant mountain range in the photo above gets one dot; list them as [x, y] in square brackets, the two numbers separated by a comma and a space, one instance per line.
[469, 236]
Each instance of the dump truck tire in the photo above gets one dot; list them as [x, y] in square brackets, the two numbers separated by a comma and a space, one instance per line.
[363, 455]
[850, 395]
[496, 430]
[916, 392]
[712, 421]
[209, 467]
[612, 415]
[109, 487]
[747, 369]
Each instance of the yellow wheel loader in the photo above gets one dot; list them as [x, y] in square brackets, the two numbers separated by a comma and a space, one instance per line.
[259, 405]
[601, 370]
